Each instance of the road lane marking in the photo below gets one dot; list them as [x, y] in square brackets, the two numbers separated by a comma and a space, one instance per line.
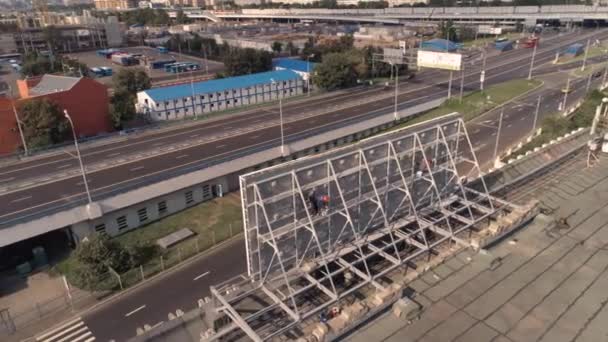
[201, 275]
[182, 156]
[509, 125]
[136, 310]
[194, 135]
[49, 333]
[63, 166]
[21, 199]
[220, 146]
[114, 154]
[522, 118]
[6, 179]
[136, 168]
[158, 143]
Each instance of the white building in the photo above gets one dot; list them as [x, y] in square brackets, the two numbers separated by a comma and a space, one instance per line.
[190, 99]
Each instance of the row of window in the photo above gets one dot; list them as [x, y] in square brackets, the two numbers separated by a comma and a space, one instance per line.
[202, 97]
[161, 206]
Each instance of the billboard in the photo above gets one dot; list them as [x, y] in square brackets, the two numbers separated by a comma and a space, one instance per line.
[487, 29]
[439, 60]
[393, 56]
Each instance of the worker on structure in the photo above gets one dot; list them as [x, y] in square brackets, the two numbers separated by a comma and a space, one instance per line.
[319, 203]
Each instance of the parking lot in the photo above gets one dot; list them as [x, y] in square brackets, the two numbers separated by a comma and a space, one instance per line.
[91, 59]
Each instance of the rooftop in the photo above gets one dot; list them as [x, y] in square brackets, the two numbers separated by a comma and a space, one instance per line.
[52, 84]
[294, 64]
[204, 87]
[546, 282]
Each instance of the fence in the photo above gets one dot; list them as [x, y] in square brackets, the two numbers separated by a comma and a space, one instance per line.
[112, 282]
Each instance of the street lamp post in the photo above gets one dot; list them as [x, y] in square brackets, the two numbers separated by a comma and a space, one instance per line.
[586, 54]
[536, 115]
[498, 133]
[462, 82]
[598, 113]
[84, 175]
[308, 72]
[567, 90]
[482, 75]
[532, 61]
[396, 114]
[25, 150]
[280, 116]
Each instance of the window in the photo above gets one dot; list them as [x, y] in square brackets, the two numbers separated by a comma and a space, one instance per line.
[143, 215]
[284, 83]
[210, 96]
[189, 198]
[206, 191]
[177, 111]
[202, 97]
[228, 102]
[100, 228]
[234, 91]
[158, 105]
[121, 221]
[162, 207]
[236, 100]
[159, 114]
[212, 105]
[166, 103]
[226, 93]
[185, 110]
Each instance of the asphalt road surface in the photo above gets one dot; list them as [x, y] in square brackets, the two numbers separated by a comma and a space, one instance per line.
[229, 138]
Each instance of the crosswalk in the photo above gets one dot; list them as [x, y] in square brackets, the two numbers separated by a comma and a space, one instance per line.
[72, 331]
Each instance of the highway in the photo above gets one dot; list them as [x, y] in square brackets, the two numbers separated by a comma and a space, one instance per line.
[229, 137]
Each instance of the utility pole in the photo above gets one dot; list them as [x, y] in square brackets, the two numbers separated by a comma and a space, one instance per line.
[588, 82]
[498, 133]
[532, 61]
[450, 85]
[586, 54]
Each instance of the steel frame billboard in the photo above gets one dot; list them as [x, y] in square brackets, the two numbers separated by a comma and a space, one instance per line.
[439, 60]
[308, 222]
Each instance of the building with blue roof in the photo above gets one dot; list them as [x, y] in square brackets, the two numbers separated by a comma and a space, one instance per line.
[440, 45]
[191, 99]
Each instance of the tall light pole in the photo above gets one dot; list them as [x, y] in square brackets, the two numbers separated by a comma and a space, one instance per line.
[586, 54]
[280, 116]
[84, 175]
[396, 114]
[308, 72]
[498, 133]
[536, 115]
[462, 82]
[567, 90]
[25, 150]
[532, 61]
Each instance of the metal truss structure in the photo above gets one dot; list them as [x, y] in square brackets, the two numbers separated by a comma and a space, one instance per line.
[390, 201]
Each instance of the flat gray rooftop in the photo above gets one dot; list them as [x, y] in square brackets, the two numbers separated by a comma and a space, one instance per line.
[551, 285]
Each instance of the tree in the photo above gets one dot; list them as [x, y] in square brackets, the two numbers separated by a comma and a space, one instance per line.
[43, 123]
[277, 47]
[338, 70]
[126, 83]
[181, 17]
[447, 30]
[291, 49]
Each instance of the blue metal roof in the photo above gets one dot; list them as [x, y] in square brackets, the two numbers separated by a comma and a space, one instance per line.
[439, 44]
[219, 85]
[293, 64]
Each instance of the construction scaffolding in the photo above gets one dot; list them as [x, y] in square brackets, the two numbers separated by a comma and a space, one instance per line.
[327, 230]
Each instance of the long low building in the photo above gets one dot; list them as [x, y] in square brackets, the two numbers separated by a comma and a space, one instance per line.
[191, 99]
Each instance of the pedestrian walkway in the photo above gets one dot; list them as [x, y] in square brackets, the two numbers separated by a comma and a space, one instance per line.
[73, 331]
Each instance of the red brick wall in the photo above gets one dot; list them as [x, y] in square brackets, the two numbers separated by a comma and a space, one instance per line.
[9, 135]
[87, 104]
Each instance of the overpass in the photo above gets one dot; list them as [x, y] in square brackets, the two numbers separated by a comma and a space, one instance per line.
[509, 14]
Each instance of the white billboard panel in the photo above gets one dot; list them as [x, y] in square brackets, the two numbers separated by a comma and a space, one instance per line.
[394, 56]
[439, 60]
[487, 29]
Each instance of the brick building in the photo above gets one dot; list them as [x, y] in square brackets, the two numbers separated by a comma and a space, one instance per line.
[85, 99]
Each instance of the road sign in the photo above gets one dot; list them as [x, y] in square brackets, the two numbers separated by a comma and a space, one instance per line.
[439, 60]
[482, 76]
[487, 29]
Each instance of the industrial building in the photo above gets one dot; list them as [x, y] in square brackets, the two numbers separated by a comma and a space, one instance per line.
[190, 99]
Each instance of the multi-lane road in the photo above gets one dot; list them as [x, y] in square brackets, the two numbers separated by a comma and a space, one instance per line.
[122, 165]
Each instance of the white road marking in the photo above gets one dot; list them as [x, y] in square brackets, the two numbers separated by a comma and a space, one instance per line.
[201, 275]
[182, 156]
[73, 331]
[21, 199]
[509, 125]
[220, 146]
[63, 166]
[477, 131]
[493, 134]
[136, 310]
[522, 118]
[194, 135]
[49, 333]
[136, 168]
[254, 136]
[114, 154]
[158, 143]
[6, 179]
